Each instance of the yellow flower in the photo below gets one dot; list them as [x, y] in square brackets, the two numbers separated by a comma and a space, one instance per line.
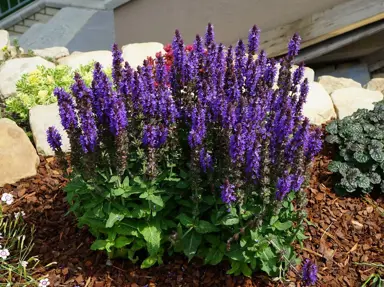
[50, 80]
[42, 94]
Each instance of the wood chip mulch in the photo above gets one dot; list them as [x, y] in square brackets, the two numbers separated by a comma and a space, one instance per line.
[341, 231]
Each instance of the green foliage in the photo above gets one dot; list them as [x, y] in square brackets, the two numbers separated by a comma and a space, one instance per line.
[156, 216]
[360, 141]
[36, 88]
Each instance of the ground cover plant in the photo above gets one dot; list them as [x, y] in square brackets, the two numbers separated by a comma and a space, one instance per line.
[360, 142]
[202, 156]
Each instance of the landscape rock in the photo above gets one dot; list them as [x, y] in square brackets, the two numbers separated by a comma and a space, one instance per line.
[136, 53]
[18, 158]
[349, 100]
[331, 83]
[376, 84]
[319, 107]
[75, 60]
[4, 41]
[53, 52]
[12, 70]
[42, 117]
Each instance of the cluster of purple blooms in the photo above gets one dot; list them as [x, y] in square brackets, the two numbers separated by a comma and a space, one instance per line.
[242, 112]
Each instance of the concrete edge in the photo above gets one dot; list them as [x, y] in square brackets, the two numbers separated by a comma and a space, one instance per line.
[22, 14]
[113, 4]
[35, 7]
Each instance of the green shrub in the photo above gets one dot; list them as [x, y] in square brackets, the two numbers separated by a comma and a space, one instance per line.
[36, 88]
[360, 142]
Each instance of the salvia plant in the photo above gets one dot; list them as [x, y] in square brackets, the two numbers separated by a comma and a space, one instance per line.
[359, 162]
[201, 151]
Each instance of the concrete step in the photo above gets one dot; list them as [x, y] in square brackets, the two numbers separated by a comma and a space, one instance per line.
[58, 31]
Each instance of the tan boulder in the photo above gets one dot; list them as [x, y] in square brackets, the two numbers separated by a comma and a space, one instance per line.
[318, 107]
[349, 100]
[18, 158]
[136, 53]
[331, 83]
[376, 84]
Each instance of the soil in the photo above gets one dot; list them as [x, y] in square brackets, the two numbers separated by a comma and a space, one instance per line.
[341, 233]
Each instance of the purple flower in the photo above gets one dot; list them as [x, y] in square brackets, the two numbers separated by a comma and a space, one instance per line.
[155, 136]
[209, 36]
[228, 195]
[117, 115]
[238, 142]
[54, 139]
[84, 100]
[283, 186]
[117, 60]
[294, 46]
[253, 40]
[198, 128]
[66, 109]
[205, 160]
[309, 273]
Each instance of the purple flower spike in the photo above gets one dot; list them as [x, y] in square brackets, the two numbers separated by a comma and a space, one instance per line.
[294, 46]
[117, 60]
[54, 139]
[309, 273]
[205, 160]
[253, 40]
[209, 36]
[283, 186]
[228, 195]
[66, 109]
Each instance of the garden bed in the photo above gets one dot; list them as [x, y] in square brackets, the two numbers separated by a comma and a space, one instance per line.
[345, 236]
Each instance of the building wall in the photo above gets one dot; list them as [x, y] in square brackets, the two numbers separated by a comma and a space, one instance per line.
[156, 20]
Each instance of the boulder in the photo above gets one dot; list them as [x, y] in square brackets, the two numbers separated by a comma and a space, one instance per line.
[376, 84]
[76, 59]
[40, 119]
[12, 70]
[319, 107]
[4, 41]
[136, 53]
[54, 52]
[18, 158]
[349, 100]
[331, 83]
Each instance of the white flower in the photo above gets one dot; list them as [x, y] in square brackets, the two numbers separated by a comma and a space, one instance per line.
[7, 198]
[4, 253]
[24, 264]
[8, 285]
[17, 214]
[44, 282]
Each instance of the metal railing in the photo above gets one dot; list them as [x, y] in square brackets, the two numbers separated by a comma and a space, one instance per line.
[7, 7]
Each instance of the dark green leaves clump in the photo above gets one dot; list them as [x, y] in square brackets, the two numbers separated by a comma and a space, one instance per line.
[360, 141]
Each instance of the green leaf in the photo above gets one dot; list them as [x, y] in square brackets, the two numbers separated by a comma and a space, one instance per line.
[191, 243]
[235, 267]
[99, 244]
[377, 154]
[274, 218]
[126, 182]
[214, 256]
[268, 261]
[182, 185]
[117, 191]
[148, 262]
[363, 181]
[114, 179]
[152, 235]
[301, 236]
[122, 241]
[246, 270]
[360, 157]
[185, 220]
[230, 219]
[236, 253]
[332, 139]
[283, 225]
[113, 218]
[156, 200]
[206, 227]
[332, 127]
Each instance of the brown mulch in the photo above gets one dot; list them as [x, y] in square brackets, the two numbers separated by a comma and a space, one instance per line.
[342, 232]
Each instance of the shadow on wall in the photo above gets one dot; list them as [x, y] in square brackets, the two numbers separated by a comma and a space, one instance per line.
[352, 70]
[97, 34]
